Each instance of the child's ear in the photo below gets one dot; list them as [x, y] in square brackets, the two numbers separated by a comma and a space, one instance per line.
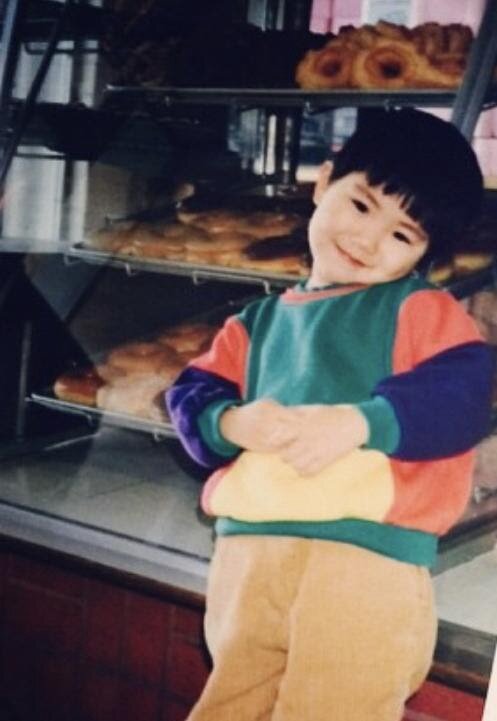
[323, 180]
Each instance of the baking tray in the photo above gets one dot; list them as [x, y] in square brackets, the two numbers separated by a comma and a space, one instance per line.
[198, 273]
[96, 417]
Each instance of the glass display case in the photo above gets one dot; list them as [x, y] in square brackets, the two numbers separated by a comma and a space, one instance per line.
[100, 182]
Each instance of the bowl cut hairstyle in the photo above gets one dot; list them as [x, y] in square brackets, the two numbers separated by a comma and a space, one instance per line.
[424, 160]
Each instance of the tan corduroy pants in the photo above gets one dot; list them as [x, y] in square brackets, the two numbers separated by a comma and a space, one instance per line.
[309, 630]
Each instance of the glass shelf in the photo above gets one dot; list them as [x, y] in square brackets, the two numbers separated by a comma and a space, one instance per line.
[96, 416]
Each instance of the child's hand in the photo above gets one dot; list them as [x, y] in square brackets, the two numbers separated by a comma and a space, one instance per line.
[262, 425]
[322, 434]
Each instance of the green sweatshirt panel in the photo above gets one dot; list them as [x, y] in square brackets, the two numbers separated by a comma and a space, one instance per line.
[403, 544]
[384, 431]
[208, 424]
[344, 345]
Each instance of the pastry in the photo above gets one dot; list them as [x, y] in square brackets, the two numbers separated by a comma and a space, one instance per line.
[137, 396]
[78, 386]
[188, 338]
[140, 358]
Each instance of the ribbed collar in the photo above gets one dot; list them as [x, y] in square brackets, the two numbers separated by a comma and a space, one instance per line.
[301, 294]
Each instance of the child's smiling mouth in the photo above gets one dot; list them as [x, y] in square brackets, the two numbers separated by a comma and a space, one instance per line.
[350, 258]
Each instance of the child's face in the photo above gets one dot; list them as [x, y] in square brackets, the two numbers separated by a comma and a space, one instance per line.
[359, 234]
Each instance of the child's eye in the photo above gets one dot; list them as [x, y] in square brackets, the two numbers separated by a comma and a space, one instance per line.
[401, 236]
[360, 206]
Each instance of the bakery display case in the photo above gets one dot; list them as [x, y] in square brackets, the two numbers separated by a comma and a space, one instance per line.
[139, 210]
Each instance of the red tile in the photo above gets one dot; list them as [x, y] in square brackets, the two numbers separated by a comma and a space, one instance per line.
[104, 624]
[4, 559]
[55, 689]
[17, 674]
[138, 703]
[145, 638]
[45, 620]
[98, 696]
[189, 623]
[442, 703]
[46, 576]
[187, 670]
[175, 711]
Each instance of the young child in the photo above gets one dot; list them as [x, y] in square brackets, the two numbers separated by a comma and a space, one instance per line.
[340, 418]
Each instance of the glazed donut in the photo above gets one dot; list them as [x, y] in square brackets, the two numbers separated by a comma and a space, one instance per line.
[466, 263]
[136, 396]
[390, 64]
[212, 221]
[109, 373]
[391, 30]
[291, 265]
[200, 251]
[167, 242]
[111, 240]
[267, 224]
[139, 358]
[441, 272]
[325, 69]
[227, 247]
[187, 337]
[458, 38]
[443, 71]
[78, 386]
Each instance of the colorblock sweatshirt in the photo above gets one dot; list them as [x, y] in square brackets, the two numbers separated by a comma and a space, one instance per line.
[406, 354]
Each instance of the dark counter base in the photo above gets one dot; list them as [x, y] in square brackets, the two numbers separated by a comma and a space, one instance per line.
[86, 643]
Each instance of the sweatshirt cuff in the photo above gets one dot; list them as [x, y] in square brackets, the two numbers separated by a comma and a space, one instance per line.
[208, 425]
[384, 430]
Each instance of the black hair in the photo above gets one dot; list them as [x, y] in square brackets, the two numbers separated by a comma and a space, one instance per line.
[426, 161]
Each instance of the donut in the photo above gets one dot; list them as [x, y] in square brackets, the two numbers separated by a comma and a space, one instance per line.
[139, 358]
[200, 250]
[217, 220]
[443, 71]
[431, 39]
[292, 265]
[391, 30]
[140, 396]
[187, 337]
[466, 263]
[325, 69]
[458, 38]
[227, 247]
[267, 224]
[441, 272]
[167, 242]
[390, 64]
[110, 240]
[109, 373]
[388, 56]
[78, 386]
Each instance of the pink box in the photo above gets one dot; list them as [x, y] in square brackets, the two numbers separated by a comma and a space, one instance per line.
[486, 152]
[467, 12]
[321, 16]
[493, 115]
[345, 12]
[485, 124]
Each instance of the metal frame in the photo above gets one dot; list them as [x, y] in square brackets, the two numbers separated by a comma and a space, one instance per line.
[34, 91]
[477, 78]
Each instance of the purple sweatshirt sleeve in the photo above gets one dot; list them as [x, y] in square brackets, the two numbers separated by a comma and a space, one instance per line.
[195, 402]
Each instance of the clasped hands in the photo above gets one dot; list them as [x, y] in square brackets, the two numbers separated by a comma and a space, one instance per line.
[308, 437]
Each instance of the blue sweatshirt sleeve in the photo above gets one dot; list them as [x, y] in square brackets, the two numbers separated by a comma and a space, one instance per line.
[443, 405]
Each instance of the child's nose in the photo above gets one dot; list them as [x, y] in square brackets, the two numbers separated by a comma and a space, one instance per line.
[369, 240]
